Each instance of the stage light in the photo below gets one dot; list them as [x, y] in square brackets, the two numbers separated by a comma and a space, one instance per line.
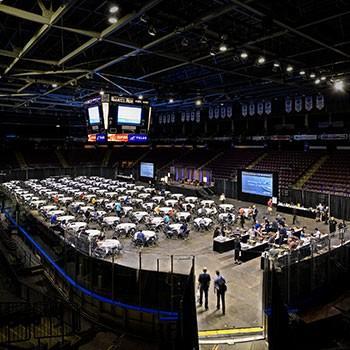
[152, 31]
[289, 68]
[54, 85]
[261, 60]
[113, 9]
[112, 20]
[323, 78]
[140, 97]
[302, 72]
[244, 55]
[317, 81]
[223, 47]
[198, 102]
[102, 92]
[338, 85]
[312, 75]
[171, 100]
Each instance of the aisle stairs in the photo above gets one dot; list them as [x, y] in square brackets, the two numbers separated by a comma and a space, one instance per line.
[140, 158]
[20, 159]
[211, 160]
[171, 162]
[61, 159]
[311, 171]
[106, 158]
[256, 161]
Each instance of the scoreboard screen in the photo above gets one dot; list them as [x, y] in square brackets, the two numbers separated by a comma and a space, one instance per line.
[129, 115]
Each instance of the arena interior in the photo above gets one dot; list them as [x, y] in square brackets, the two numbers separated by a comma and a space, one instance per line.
[174, 174]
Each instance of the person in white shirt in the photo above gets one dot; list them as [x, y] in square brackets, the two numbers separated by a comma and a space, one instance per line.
[222, 198]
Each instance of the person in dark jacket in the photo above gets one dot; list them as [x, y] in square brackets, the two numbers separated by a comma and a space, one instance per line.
[220, 289]
[332, 226]
[204, 283]
[237, 250]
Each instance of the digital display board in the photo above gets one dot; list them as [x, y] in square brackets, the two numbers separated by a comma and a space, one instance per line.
[260, 184]
[128, 115]
[101, 138]
[147, 170]
[94, 115]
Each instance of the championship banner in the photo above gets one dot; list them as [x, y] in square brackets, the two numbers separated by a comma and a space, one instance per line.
[188, 116]
[333, 137]
[173, 117]
[229, 111]
[168, 118]
[216, 112]
[160, 118]
[192, 116]
[288, 104]
[223, 112]
[298, 104]
[198, 116]
[308, 103]
[183, 116]
[251, 109]
[244, 110]
[260, 108]
[305, 137]
[268, 107]
[319, 102]
[280, 138]
[211, 113]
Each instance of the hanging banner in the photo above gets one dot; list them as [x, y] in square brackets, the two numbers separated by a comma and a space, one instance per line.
[211, 113]
[268, 107]
[251, 109]
[319, 102]
[164, 119]
[333, 137]
[298, 104]
[288, 104]
[216, 112]
[308, 103]
[223, 112]
[260, 108]
[244, 110]
[192, 116]
[160, 118]
[198, 116]
[188, 116]
[168, 118]
[183, 116]
[173, 117]
[305, 137]
[229, 111]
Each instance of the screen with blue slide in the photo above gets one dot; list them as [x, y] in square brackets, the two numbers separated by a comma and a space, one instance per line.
[260, 184]
[147, 170]
[94, 115]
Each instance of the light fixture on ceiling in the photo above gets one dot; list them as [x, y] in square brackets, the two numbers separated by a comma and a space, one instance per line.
[144, 18]
[302, 72]
[212, 52]
[289, 68]
[171, 100]
[317, 81]
[203, 40]
[113, 9]
[140, 97]
[223, 47]
[276, 64]
[338, 85]
[244, 55]
[54, 85]
[323, 78]
[58, 125]
[184, 42]
[312, 75]
[198, 102]
[261, 60]
[102, 92]
[112, 20]
[152, 31]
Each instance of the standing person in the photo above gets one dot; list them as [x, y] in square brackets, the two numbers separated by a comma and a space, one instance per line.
[118, 208]
[203, 285]
[269, 206]
[222, 198]
[332, 226]
[220, 290]
[242, 220]
[255, 213]
[237, 249]
[294, 215]
[342, 230]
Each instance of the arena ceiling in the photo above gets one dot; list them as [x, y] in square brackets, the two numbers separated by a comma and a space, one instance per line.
[55, 54]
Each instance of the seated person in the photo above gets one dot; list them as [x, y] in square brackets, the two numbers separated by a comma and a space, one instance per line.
[183, 232]
[166, 219]
[53, 219]
[141, 237]
[217, 232]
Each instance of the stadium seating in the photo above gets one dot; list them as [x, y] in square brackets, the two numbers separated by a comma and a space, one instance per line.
[333, 176]
[226, 165]
[40, 158]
